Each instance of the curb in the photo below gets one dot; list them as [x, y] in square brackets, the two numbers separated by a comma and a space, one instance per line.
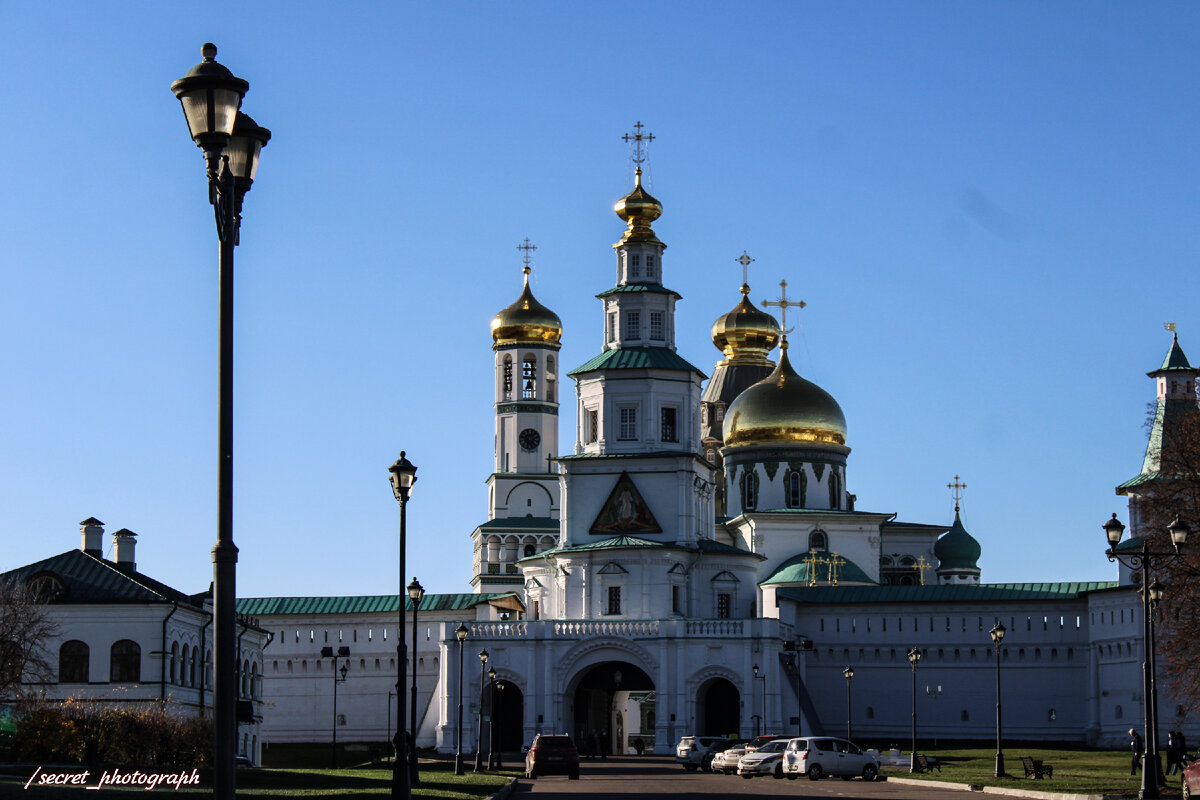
[1000, 790]
[505, 790]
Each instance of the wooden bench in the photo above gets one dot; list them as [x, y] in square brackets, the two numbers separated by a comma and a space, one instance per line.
[925, 764]
[1035, 769]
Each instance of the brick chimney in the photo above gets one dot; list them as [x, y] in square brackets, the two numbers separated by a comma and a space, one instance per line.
[124, 541]
[91, 534]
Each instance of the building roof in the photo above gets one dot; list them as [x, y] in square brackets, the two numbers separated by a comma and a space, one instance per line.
[89, 579]
[368, 604]
[625, 542]
[801, 568]
[956, 593]
[637, 358]
[520, 523]
[957, 549]
[625, 288]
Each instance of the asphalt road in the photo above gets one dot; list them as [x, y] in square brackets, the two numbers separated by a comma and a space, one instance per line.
[648, 777]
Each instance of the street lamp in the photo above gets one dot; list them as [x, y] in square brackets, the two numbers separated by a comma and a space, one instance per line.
[461, 633]
[402, 475]
[497, 712]
[762, 718]
[849, 673]
[997, 632]
[1137, 555]
[415, 592]
[491, 673]
[914, 655]
[483, 657]
[231, 142]
[342, 652]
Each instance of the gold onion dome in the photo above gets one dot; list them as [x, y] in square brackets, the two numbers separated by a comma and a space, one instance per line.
[526, 322]
[784, 408]
[638, 208]
[745, 335]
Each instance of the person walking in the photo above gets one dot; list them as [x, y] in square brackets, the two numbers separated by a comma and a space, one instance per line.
[1135, 745]
[1174, 754]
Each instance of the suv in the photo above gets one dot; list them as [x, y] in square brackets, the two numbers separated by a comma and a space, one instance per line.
[552, 755]
[818, 756]
[696, 752]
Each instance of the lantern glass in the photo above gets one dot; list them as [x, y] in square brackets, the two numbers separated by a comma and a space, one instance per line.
[1179, 532]
[483, 656]
[998, 632]
[461, 632]
[1113, 530]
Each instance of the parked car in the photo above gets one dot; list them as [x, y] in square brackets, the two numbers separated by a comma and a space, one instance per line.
[696, 752]
[552, 755]
[759, 741]
[726, 761]
[818, 756]
[1191, 780]
[766, 760]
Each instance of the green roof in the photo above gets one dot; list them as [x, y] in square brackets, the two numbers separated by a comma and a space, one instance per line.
[89, 579]
[624, 542]
[798, 569]
[1175, 359]
[957, 549]
[521, 523]
[625, 288]
[637, 358]
[957, 593]
[360, 604]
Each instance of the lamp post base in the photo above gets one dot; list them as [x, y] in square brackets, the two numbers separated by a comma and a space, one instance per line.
[458, 764]
[1000, 766]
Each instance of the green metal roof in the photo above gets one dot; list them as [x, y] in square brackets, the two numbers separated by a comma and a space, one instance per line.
[798, 569]
[521, 523]
[957, 549]
[713, 546]
[625, 288]
[637, 358]
[1175, 359]
[361, 604]
[986, 592]
[626, 542]
[88, 579]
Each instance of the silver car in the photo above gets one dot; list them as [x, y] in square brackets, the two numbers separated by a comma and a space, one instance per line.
[766, 760]
[696, 752]
[818, 756]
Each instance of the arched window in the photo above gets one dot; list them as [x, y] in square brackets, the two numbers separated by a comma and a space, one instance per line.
[174, 661]
[749, 490]
[245, 681]
[796, 487]
[73, 659]
[550, 376]
[885, 561]
[529, 550]
[125, 662]
[183, 666]
[508, 376]
[817, 540]
[529, 378]
[192, 667]
[1120, 712]
[256, 684]
[835, 490]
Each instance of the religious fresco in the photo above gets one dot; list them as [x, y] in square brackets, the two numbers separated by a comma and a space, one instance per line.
[625, 511]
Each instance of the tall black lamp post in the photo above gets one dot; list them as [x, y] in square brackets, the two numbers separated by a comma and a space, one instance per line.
[997, 632]
[1137, 554]
[461, 634]
[342, 652]
[849, 673]
[914, 655]
[415, 592]
[483, 657]
[402, 476]
[764, 698]
[491, 673]
[231, 143]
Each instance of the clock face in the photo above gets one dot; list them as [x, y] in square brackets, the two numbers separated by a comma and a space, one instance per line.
[529, 439]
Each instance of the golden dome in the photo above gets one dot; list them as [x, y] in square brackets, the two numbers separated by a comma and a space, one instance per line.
[638, 208]
[526, 322]
[745, 335]
[784, 408]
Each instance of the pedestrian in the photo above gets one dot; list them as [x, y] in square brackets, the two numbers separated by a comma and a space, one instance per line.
[639, 744]
[595, 744]
[604, 744]
[1174, 755]
[1135, 745]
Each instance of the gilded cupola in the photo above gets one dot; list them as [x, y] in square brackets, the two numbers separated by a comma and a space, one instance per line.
[638, 208]
[784, 408]
[745, 335]
[526, 322]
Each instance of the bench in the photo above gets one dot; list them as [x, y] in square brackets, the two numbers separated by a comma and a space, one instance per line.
[925, 764]
[1035, 769]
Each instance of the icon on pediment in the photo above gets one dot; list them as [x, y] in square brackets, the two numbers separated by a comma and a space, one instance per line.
[625, 511]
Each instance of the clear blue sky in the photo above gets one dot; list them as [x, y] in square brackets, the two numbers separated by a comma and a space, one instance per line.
[989, 207]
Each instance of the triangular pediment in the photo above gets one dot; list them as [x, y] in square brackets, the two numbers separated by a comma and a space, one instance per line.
[725, 576]
[613, 568]
[625, 511]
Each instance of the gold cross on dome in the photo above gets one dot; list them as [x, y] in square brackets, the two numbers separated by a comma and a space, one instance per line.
[635, 139]
[922, 565]
[957, 488]
[784, 304]
[744, 259]
[834, 562]
[528, 248]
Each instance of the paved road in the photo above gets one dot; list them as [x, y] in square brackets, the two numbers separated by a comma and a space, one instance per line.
[629, 778]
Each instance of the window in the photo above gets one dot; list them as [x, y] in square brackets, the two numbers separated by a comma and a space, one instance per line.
[656, 325]
[593, 425]
[635, 267]
[628, 430]
[723, 605]
[529, 379]
[612, 326]
[965, 716]
[174, 659]
[835, 494]
[633, 324]
[507, 377]
[797, 484]
[749, 491]
[550, 378]
[614, 600]
[817, 540]
[125, 662]
[529, 550]
[675, 599]
[537, 609]
[73, 662]
[649, 266]
[669, 431]
[635, 260]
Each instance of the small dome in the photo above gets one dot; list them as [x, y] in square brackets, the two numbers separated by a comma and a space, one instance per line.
[526, 322]
[638, 208]
[745, 334]
[957, 549]
[784, 408]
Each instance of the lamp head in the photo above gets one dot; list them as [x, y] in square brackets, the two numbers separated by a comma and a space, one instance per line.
[415, 591]
[210, 95]
[483, 656]
[402, 475]
[848, 672]
[914, 655]
[1179, 532]
[491, 673]
[998, 630]
[1113, 530]
[345, 668]
[755, 668]
[244, 148]
[461, 632]
[1156, 592]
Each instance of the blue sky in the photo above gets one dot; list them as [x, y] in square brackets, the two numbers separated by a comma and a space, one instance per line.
[989, 208]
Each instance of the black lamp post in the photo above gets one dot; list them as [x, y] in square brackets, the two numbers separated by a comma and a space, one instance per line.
[342, 652]
[415, 592]
[461, 633]
[498, 712]
[402, 475]
[231, 142]
[483, 657]
[1136, 554]
[491, 673]
[849, 673]
[764, 698]
[914, 655]
[997, 632]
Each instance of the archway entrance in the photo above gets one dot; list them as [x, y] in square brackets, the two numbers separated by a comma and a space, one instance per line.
[510, 717]
[718, 708]
[614, 706]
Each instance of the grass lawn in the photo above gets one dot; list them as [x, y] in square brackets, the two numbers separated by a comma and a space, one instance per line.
[438, 781]
[1081, 771]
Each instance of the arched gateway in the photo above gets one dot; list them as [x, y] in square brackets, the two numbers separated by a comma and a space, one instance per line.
[718, 708]
[612, 706]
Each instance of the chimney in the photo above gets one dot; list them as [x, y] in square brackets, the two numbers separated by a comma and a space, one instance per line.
[91, 534]
[124, 541]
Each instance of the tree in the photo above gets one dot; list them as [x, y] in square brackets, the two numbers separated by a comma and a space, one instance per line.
[26, 629]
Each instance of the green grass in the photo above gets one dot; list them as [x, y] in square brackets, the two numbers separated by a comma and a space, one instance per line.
[1075, 770]
[364, 781]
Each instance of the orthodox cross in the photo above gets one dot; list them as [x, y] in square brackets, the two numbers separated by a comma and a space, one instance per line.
[922, 565]
[834, 562]
[636, 138]
[744, 259]
[784, 304]
[957, 488]
[813, 560]
[528, 248]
